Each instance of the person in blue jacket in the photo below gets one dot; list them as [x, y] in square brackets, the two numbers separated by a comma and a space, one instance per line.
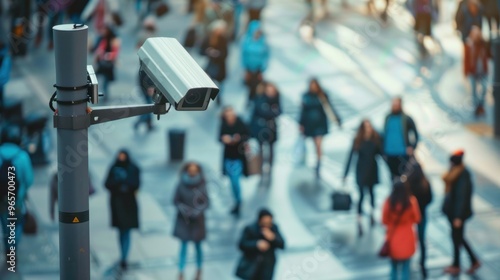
[5, 66]
[255, 56]
[20, 165]
[400, 138]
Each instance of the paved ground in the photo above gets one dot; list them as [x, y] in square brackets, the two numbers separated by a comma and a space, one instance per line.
[363, 64]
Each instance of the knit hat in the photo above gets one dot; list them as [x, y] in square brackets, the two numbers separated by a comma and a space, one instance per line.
[457, 157]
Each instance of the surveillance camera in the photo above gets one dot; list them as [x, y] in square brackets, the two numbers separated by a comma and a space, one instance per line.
[176, 75]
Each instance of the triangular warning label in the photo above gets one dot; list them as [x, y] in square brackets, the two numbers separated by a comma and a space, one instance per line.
[75, 220]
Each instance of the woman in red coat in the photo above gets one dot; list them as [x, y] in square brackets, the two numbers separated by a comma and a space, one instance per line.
[400, 215]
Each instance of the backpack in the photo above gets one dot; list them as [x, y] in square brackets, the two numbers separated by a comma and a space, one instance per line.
[9, 181]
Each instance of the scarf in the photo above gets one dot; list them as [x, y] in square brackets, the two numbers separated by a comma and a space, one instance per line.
[451, 176]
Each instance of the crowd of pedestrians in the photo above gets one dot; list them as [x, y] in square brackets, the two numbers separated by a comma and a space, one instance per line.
[216, 25]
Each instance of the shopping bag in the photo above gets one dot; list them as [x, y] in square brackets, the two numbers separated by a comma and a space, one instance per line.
[253, 157]
[341, 201]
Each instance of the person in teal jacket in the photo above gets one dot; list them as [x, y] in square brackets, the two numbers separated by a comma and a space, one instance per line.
[255, 56]
[23, 170]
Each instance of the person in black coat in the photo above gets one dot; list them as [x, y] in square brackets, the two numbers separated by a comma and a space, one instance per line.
[215, 48]
[263, 122]
[234, 135]
[123, 182]
[458, 208]
[258, 243]
[191, 201]
[366, 146]
[314, 118]
[421, 189]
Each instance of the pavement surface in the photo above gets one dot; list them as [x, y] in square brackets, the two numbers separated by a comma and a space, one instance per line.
[362, 63]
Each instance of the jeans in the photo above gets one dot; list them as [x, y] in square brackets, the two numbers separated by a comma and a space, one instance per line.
[183, 255]
[362, 195]
[6, 231]
[105, 86]
[271, 152]
[474, 80]
[397, 165]
[422, 226]
[234, 169]
[124, 236]
[405, 270]
[457, 235]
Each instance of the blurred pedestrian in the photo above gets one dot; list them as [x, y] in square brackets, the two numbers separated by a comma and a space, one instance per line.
[477, 53]
[259, 242]
[313, 119]
[421, 189]
[492, 14]
[145, 83]
[101, 13]
[191, 200]
[400, 138]
[263, 126]
[423, 11]
[234, 135]
[215, 48]
[367, 145]
[400, 213]
[106, 55]
[123, 182]
[469, 13]
[5, 68]
[254, 8]
[20, 26]
[15, 170]
[255, 56]
[457, 207]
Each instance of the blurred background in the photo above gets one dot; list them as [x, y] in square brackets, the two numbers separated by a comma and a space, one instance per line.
[363, 54]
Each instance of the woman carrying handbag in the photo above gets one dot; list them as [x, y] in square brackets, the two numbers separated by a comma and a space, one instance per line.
[400, 214]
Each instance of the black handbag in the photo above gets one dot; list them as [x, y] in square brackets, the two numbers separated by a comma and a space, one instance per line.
[248, 268]
[341, 200]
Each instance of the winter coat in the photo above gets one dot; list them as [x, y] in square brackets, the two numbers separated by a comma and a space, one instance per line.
[254, 53]
[313, 117]
[401, 235]
[408, 127]
[264, 261]
[465, 19]
[419, 185]
[24, 172]
[263, 122]
[191, 203]
[5, 66]
[458, 201]
[216, 67]
[476, 54]
[236, 151]
[366, 165]
[123, 181]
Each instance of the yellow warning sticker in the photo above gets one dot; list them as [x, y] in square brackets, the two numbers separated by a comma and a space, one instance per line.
[75, 220]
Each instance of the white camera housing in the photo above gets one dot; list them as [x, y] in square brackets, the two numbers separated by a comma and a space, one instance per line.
[176, 75]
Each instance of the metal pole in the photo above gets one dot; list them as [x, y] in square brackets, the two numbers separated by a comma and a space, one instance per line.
[496, 86]
[70, 43]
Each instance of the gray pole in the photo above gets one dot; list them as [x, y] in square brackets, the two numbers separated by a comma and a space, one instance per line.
[70, 43]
